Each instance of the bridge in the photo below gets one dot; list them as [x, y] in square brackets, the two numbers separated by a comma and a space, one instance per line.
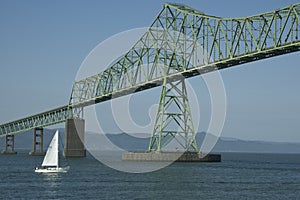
[181, 42]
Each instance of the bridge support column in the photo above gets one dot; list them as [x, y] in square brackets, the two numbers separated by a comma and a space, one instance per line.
[9, 145]
[38, 136]
[173, 137]
[173, 124]
[74, 138]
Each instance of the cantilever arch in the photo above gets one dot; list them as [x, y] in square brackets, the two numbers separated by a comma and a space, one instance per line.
[74, 138]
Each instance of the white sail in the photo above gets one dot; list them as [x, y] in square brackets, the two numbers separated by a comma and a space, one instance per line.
[51, 158]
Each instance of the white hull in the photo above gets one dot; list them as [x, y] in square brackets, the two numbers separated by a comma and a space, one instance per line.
[52, 170]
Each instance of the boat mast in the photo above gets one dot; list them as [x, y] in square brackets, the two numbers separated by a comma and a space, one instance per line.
[57, 149]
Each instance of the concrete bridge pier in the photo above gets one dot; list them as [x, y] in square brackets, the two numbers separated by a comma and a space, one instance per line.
[9, 145]
[38, 135]
[74, 138]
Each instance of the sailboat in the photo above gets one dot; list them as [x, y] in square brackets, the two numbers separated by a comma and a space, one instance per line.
[50, 162]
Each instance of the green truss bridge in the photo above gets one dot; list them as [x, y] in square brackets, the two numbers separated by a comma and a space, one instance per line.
[181, 42]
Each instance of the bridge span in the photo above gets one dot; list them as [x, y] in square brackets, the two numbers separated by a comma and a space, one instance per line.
[181, 42]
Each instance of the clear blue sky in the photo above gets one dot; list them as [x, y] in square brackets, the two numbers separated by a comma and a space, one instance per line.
[42, 44]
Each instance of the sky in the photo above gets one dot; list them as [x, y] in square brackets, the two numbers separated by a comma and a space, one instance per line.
[43, 43]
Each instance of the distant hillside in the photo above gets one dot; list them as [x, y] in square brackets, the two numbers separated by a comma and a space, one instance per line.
[130, 143]
[235, 145]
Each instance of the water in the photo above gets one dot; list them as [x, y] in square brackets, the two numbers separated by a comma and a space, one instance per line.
[238, 176]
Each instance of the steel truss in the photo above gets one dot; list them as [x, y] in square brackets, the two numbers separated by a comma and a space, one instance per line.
[173, 120]
[181, 41]
[48, 118]
[190, 43]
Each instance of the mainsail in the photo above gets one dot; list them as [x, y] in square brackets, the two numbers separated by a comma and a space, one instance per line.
[51, 158]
